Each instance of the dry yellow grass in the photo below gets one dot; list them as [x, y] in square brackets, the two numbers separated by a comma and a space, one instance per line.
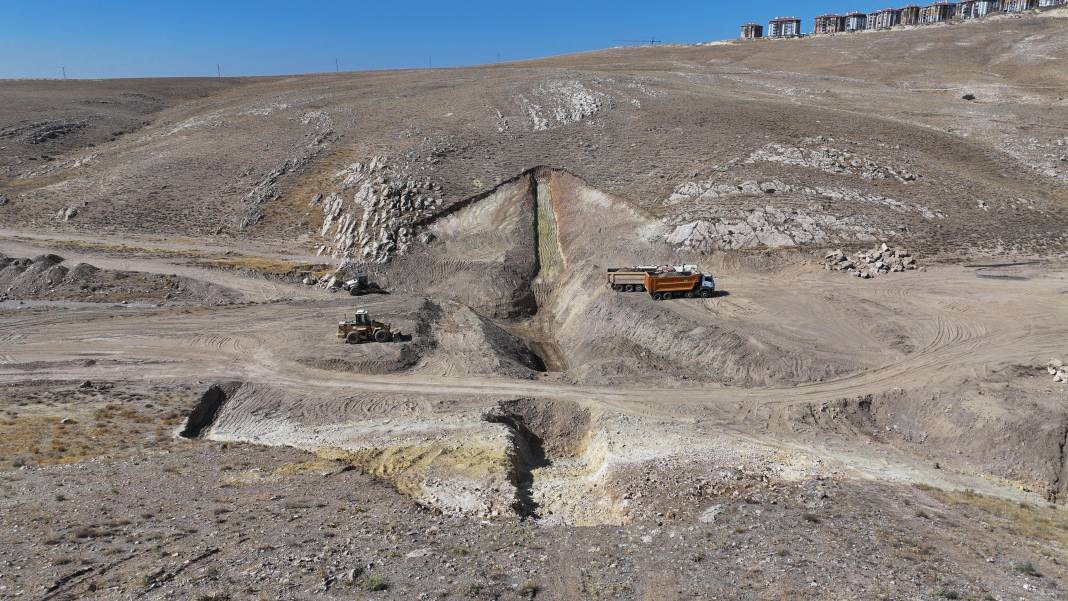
[43, 435]
[1047, 524]
[265, 265]
[120, 249]
[316, 465]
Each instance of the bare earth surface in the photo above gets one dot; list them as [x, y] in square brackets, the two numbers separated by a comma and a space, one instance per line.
[179, 421]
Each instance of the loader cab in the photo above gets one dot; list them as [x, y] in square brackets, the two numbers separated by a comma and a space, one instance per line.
[362, 318]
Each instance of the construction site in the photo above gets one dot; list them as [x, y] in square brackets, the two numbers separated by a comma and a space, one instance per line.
[646, 323]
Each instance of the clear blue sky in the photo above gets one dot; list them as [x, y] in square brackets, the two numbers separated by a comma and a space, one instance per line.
[125, 38]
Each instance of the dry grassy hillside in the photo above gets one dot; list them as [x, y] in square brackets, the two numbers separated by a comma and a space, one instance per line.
[865, 134]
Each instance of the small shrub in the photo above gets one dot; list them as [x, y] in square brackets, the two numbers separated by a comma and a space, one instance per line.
[86, 532]
[948, 594]
[376, 582]
[1026, 567]
[528, 589]
[811, 518]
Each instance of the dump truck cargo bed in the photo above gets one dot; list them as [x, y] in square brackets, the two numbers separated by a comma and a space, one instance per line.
[663, 286]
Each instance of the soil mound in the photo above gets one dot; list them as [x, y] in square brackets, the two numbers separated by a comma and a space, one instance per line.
[46, 277]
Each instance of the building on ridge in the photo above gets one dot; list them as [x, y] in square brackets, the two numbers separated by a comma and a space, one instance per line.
[828, 24]
[784, 27]
[938, 12]
[910, 15]
[752, 31]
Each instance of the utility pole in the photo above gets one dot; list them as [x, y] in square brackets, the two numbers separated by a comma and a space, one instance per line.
[337, 66]
[64, 72]
[430, 61]
[218, 70]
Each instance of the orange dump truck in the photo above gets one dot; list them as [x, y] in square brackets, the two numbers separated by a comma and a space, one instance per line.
[675, 285]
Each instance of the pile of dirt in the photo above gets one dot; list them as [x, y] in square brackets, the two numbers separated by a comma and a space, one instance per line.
[45, 277]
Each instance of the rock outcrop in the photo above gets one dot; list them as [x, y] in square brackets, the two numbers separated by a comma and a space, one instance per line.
[374, 212]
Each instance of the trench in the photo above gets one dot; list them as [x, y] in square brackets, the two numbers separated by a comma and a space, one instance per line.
[537, 331]
[1059, 483]
[202, 416]
[526, 455]
[542, 432]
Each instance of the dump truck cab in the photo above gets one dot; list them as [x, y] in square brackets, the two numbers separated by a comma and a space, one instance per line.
[361, 328]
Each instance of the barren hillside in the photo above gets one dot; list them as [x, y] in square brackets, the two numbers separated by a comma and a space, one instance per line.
[872, 404]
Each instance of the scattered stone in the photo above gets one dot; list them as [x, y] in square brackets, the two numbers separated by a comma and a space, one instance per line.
[880, 260]
[1057, 369]
[829, 160]
[68, 213]
[710, 514]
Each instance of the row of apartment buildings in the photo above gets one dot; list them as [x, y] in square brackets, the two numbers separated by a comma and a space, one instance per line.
[938, 12]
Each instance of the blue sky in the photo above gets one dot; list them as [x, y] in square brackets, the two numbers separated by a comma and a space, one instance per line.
[123, 38]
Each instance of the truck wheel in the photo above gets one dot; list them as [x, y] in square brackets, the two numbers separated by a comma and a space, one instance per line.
[617, 288]
[658, 296]
[689, 295]
[706, 294]
[352, 338]
[383, 336]
[640, 288]
[629, 288]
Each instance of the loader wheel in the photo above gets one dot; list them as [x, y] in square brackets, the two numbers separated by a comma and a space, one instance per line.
[353, 338]
[383, 336]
